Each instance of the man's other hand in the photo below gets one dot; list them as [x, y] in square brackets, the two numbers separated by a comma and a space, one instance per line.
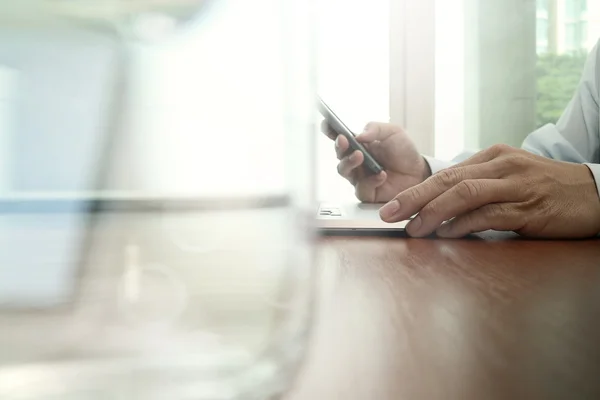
[506, 189]
[392, 148]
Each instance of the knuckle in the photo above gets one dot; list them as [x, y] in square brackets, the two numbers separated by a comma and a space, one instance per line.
[495, 212]
[468, 190]
[466, 222]
[500, 148]
[512, 162]
[429, 211]
[544, 206]
[515, 159]
[414, 194]
[371, 125]
[447, 176]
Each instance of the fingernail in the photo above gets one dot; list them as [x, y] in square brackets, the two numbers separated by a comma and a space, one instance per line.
[414, 225]
[389, 210]
[352, 157]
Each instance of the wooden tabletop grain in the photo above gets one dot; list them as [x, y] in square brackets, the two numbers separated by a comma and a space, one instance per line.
[493, 317]
[490, 317]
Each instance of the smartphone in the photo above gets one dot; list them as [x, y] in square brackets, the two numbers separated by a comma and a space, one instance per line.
[371, 165]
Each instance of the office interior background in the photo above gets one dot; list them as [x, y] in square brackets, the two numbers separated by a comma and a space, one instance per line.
[501, 69]
[457, 74]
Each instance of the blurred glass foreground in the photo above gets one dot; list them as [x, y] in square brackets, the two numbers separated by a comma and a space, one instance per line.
[155, 198]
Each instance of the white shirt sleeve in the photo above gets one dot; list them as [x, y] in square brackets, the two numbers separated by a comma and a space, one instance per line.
[576, 135]
[436, 165]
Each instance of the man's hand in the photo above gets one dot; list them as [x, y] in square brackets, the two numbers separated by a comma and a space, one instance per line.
[505, 189]
[392, 148]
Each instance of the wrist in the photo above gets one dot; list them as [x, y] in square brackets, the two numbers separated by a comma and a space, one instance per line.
[593, 198]
[594, 171]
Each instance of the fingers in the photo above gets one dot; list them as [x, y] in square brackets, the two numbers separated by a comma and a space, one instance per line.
[349, 164]
[349, 168]
[373, 131]
[412, 200]
[365, 188]
[485, 155]
[500, 217]
[350, 161]
[341, 147]
[326, 129]
[377, 131]
[466, 196]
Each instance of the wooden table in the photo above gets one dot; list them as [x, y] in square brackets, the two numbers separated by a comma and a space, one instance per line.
[493, 318]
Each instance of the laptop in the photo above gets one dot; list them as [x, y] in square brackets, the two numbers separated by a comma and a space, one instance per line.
[354, 218]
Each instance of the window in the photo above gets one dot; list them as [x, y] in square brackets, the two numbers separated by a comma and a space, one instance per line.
[501, 69]
[542, 31]
[542, 34]
[576, 36]
[353, 74]
[494, 94]
[571, 37]
[575, 8]
[571, 9]
[511, 73]
[542, 5]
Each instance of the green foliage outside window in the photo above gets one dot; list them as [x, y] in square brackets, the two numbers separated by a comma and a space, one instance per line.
[557, 78]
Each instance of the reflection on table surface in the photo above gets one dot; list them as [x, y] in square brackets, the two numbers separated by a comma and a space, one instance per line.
[141, 283]
[492, 317]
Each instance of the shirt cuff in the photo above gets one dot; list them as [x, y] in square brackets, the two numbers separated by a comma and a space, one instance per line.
[595, 169]
[436, 165]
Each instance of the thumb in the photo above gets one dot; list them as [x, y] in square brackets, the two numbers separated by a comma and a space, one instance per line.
[377, 131]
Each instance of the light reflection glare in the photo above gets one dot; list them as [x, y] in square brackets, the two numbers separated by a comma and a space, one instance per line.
[204, 303]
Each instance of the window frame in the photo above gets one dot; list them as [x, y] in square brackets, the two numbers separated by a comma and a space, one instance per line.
[412, 70]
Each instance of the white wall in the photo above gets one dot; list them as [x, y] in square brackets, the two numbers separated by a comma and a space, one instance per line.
[507, 71]
[207, 108]
[211, 110]
[55, 85]
[485, 74]
[451, 66]
[9, 82]
[353, 75]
